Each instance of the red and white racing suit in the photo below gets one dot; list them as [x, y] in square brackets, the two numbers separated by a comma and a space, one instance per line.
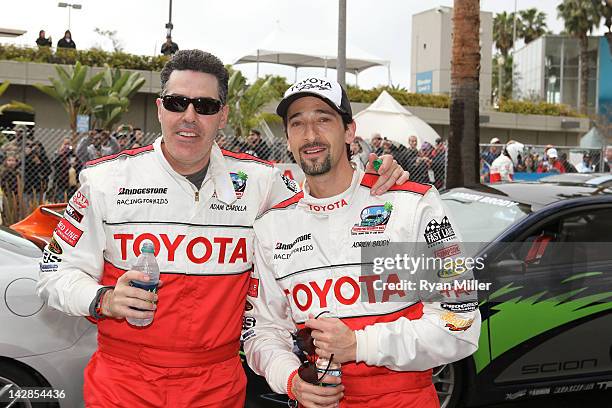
[308, 259]
[502, 169]
[203, 243]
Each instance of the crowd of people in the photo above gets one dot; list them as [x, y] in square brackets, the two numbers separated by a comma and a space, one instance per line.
[499, 160]
[57, 174]
[425, 164]
[54, 176]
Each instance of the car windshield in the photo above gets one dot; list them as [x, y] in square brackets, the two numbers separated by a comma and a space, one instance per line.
[481, 218]
[13, 242]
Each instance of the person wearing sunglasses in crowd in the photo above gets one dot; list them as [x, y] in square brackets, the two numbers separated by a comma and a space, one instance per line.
[196, 204]
[386, 341]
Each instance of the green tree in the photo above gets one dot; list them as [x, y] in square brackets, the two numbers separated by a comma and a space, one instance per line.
[246, 101]
[13, 105]
[112, 96]
[580, 18]
[463, 153]
[105, 95]
[533, 24]
[503, 30]
[73, 90]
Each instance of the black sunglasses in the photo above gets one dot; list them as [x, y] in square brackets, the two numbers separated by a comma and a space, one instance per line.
[203, 106]
[308, 371]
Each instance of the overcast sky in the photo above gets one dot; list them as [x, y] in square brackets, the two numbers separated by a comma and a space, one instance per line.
[230, 28]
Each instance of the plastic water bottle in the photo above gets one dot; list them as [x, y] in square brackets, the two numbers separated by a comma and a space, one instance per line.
[147, 264]
[335, 370]
[324, 367]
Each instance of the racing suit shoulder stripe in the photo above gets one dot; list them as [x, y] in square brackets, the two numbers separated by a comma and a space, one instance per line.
[244, 157]
[289, 202]
[129, 153]
[410, 186]
[284, 205]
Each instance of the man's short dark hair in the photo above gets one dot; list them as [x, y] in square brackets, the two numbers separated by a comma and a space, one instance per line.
[199, 61]
[257, 132]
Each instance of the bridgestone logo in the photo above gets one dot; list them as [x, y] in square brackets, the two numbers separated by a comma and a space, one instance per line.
[281, 246]
[464, 307]
[148, 190]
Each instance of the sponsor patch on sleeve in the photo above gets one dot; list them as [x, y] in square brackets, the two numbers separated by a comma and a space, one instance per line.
[68, 232]
[290, 183]
[437, 232]
[48, 267]
[455, 323]
[253, 288]
[247, 335]
[54, 247]
[462, 307]
[73, 213]
[50, 258]
[79, 200]
[248, 322]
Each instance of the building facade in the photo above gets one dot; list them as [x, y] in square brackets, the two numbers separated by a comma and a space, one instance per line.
[548, 69]
[430, 67]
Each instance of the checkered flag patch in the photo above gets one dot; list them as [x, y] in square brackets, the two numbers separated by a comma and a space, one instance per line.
[432, 226]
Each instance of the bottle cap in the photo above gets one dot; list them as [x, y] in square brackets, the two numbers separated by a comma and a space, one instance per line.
[147, 247]
[377, 163]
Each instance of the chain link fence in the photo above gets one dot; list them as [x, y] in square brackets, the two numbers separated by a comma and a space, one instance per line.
[535, 163]
[39, 165]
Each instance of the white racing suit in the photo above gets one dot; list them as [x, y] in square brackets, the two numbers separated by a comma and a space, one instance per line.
[308, 259]
[203, 241]
[502, 169]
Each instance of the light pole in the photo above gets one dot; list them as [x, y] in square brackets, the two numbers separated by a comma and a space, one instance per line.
[169, 25]
[500, 78]
[69, 7]
[341, 60]
[552, 81]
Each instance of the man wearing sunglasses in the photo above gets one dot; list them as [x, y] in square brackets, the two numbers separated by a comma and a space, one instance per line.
[196, 204]
[386, 340]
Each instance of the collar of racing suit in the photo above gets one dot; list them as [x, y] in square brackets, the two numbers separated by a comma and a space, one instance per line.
[336, 204]
[217, 171]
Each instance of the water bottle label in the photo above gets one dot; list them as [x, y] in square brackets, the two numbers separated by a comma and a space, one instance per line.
[149, 287]
[332, 372]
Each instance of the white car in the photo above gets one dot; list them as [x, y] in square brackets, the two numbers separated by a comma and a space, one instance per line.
[43, 352]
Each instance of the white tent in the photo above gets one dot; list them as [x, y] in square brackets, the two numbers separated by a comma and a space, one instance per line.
[280, 48]
[387, 117]
[593, 139]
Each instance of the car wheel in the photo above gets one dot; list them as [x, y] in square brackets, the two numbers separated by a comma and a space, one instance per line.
[14, 378]
[448, 380]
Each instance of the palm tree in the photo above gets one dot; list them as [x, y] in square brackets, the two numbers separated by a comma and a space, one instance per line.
[580, 18]
[13, 105]
[503, 25]
[606, 12]
[463, 157]
[533, 24]
[112, 96]
[246, 102]
[73, 90]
